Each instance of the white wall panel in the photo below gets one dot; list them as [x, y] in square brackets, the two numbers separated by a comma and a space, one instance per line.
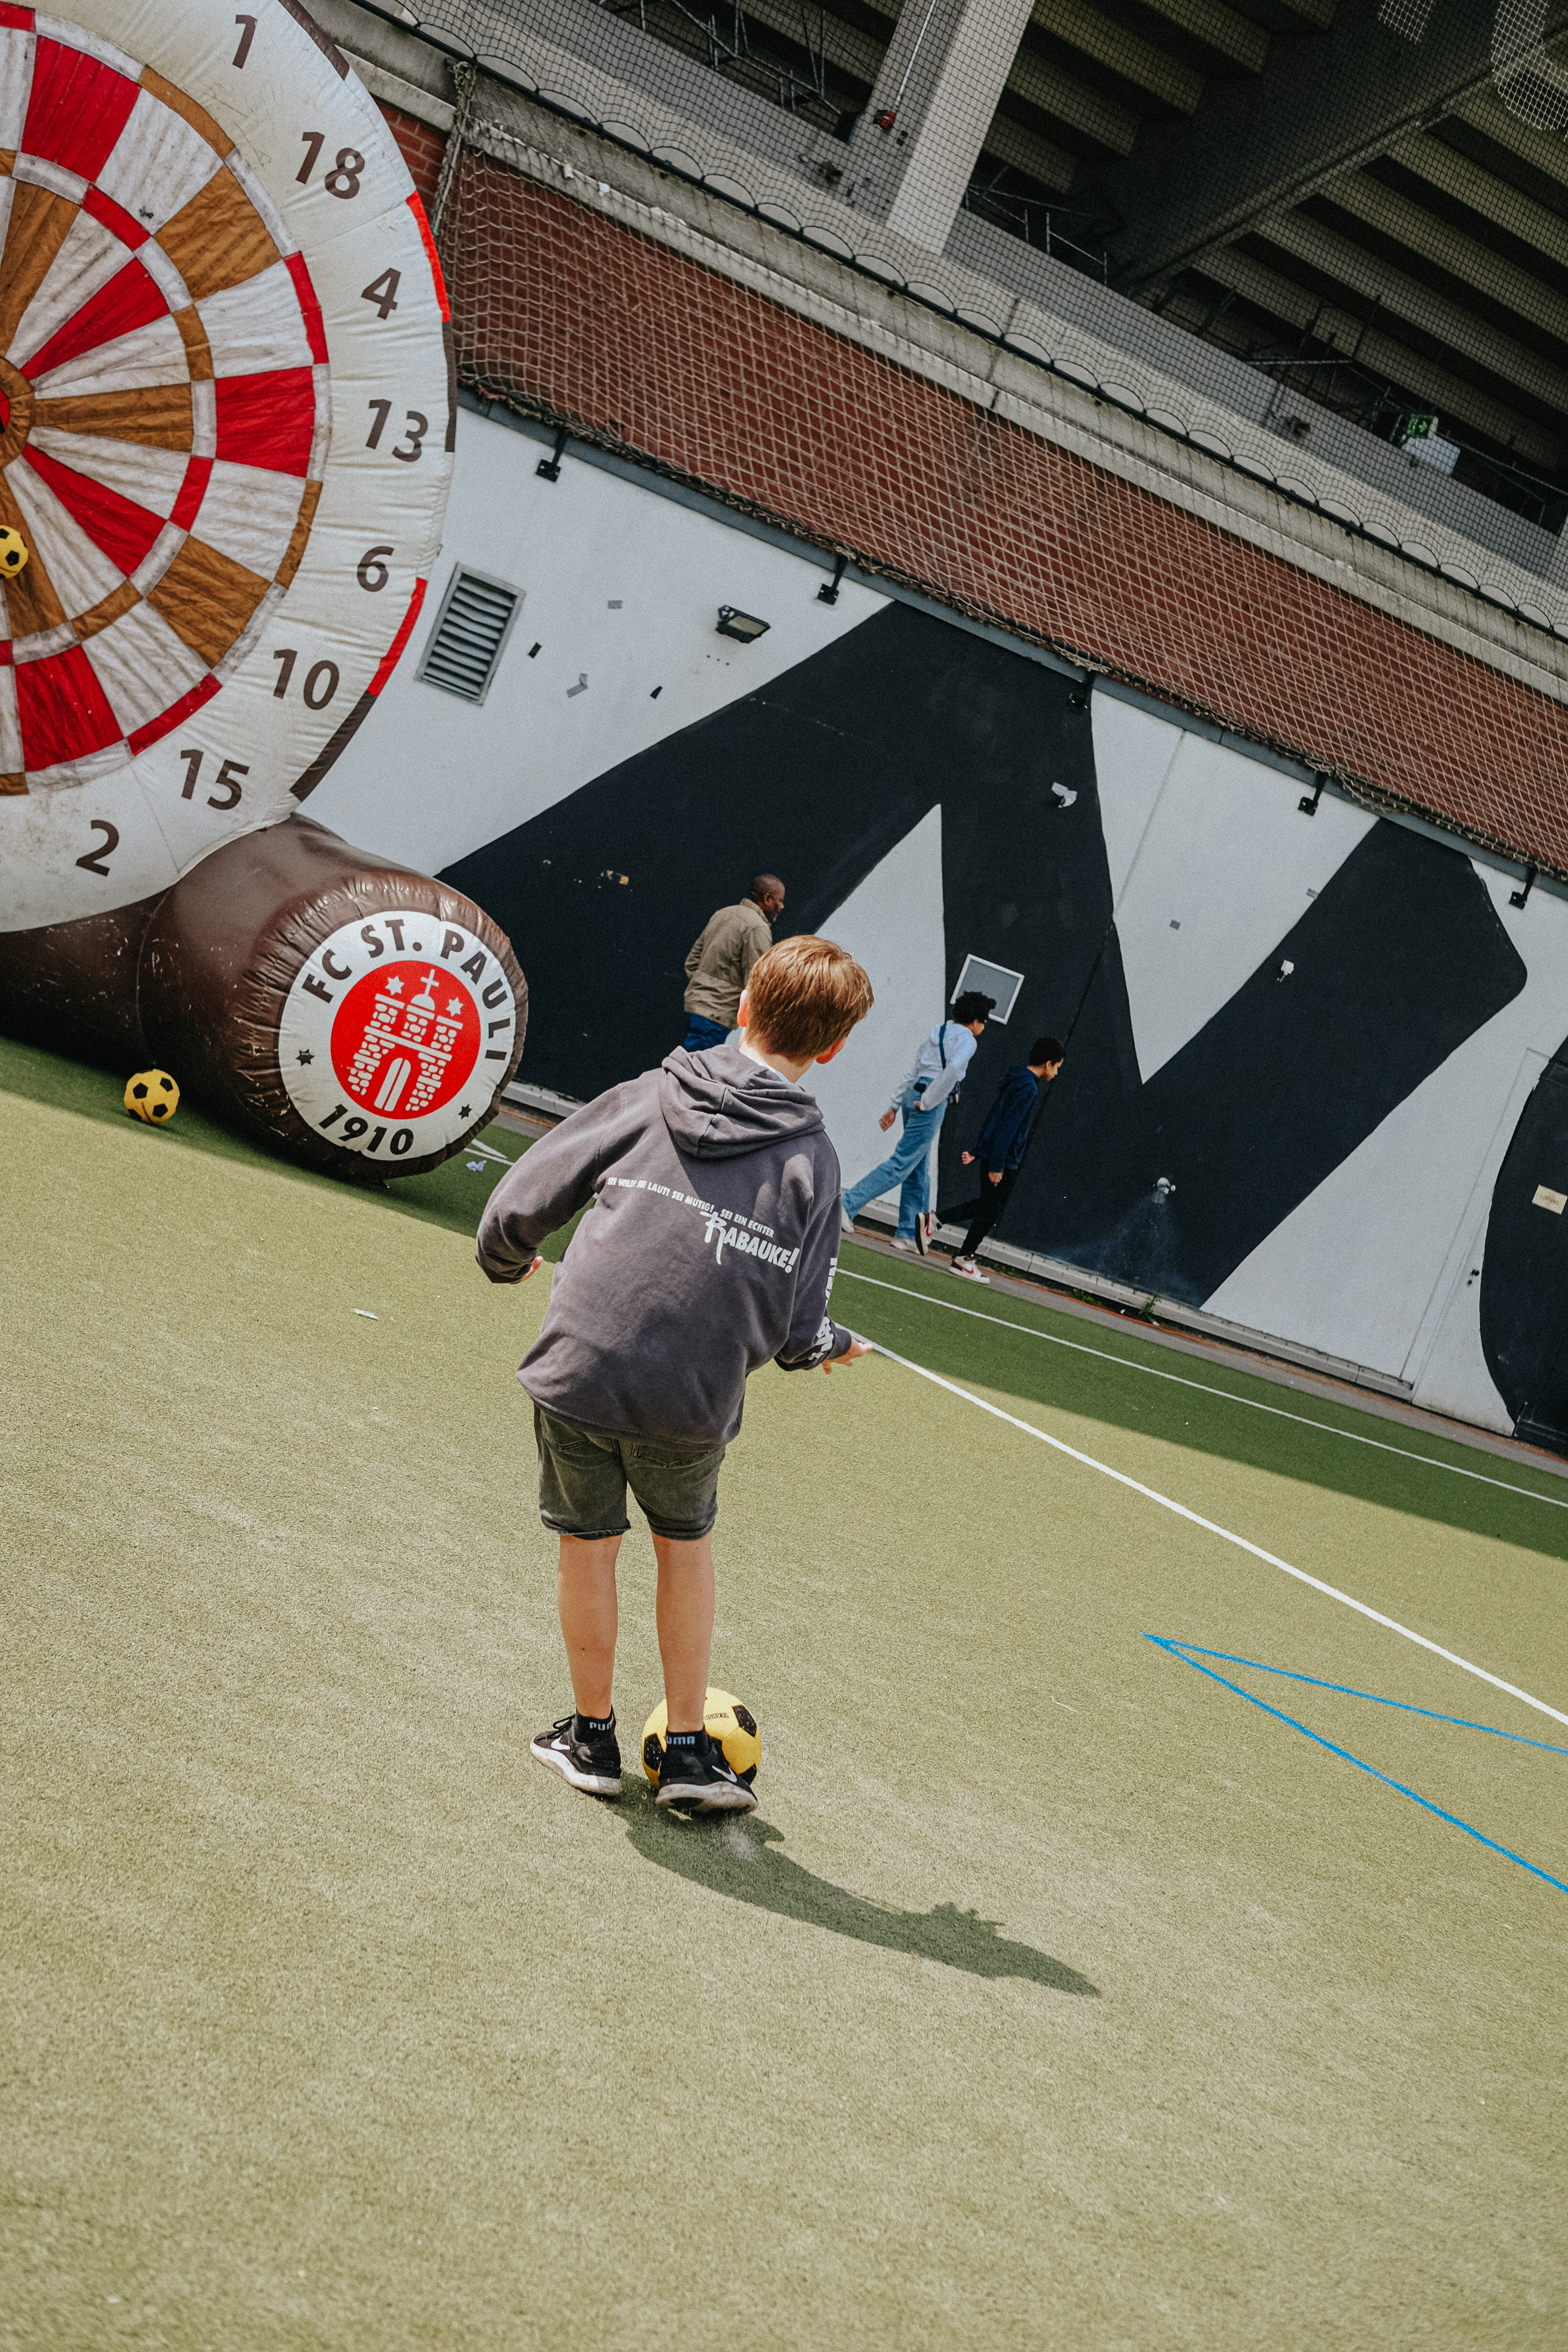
[893, 925]
[1358, 1269]
[1225, 867]
[1133, 756]
[622, 587]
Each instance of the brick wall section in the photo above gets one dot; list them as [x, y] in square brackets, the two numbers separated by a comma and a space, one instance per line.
[422, 149]
[567, 315]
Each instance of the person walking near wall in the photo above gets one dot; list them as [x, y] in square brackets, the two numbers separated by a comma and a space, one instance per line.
[922, 1096]
[721, 958]
[1002, 1142]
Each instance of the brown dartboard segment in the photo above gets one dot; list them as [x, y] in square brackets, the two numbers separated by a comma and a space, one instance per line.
[198, 118]
[37, 227]
[18, 394]
[11, 785]
[207, 598]
[31, 598]
[198, 351]
[294, 554]
[218, 239]
[120, 599]
[160, 417]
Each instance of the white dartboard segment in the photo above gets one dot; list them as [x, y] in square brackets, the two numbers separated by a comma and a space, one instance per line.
[226, 432]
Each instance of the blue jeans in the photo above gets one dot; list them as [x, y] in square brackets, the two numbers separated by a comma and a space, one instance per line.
[701, 1032]
[907, 1166]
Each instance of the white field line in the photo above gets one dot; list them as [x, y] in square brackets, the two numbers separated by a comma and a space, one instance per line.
[1152, 1494]
[1253, 1404]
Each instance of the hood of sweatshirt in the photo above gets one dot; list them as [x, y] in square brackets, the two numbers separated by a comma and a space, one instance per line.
[719, 1103]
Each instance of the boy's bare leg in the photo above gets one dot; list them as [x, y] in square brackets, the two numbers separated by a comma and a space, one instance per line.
[685, 1616]
[585, 1590]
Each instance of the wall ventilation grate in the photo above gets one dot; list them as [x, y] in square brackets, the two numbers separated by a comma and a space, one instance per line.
[470, 632]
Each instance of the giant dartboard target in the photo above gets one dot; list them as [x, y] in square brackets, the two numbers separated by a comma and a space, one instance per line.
[228, 428]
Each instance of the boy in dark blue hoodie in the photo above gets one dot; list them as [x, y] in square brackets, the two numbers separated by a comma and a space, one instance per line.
[709, 1249]
[1002, 1142]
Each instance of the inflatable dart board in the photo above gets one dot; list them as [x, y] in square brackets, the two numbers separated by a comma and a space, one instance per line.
[227, 425]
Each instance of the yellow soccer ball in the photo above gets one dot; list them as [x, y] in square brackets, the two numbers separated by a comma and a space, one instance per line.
[734, 1727]
[13, 552]
[153, 1095]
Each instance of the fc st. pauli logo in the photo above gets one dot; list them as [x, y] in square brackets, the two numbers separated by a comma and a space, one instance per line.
[395, 1035]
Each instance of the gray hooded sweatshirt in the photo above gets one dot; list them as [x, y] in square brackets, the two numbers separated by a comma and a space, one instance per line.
[709, 1249]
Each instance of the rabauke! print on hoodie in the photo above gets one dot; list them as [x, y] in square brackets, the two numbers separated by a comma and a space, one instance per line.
[710, 1248]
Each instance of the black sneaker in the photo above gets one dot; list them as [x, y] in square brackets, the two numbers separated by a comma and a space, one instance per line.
[698, 1779]
[591, 1764]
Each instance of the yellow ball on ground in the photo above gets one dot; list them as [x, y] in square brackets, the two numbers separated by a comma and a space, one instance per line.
[13, 552]
[734, 1727]
[152, 1096]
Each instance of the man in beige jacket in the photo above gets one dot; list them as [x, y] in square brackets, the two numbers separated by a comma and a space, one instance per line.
[721, 960]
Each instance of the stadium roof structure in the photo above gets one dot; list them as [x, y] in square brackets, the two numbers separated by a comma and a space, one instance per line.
[1368, 199]
[1297, 266]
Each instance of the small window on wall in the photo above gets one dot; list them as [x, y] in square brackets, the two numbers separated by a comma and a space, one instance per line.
[991, 980]
[470, 632]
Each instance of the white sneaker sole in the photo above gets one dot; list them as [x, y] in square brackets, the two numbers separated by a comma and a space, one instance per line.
[703, 1797]
[593, 1784]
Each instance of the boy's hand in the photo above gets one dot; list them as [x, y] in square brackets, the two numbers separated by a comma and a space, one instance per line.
[993, 1176]
[967, 1158]
[856, 1348]
[887, 1119]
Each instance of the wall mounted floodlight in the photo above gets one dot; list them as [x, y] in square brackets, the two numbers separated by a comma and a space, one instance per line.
[744, 627]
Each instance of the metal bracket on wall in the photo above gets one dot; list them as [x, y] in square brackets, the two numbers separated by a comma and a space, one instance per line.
[549, 468]
[828, 591]
[1308, 803]
[1518, 898]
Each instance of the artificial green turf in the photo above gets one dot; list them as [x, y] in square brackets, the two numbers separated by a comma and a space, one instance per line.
[1056, 1995]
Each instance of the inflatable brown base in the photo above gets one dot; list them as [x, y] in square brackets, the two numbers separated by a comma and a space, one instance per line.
[360, 1016]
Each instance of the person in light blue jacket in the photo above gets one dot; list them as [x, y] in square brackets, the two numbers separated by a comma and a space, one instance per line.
[922, 1096]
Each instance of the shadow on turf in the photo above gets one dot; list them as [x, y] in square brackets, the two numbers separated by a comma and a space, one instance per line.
[736, 1858]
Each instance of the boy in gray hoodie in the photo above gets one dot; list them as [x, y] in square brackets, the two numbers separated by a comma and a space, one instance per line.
[709, 1249]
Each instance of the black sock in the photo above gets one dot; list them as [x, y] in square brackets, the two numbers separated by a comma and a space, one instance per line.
[588, 1726]
[680, 1740]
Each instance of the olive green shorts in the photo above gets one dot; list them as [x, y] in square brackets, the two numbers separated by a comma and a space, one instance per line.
[583, 1476]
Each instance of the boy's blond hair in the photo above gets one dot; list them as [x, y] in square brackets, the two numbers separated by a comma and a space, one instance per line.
[804, 995]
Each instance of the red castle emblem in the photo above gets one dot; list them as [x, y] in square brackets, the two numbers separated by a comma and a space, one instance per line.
[402, 1053]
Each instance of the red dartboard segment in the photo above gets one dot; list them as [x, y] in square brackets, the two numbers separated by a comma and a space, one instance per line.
[76, 108]
[428, 239]
[131, 298]
[389, 660]
[63, 711]
[116, 525]
[16, 20]
[175, 716]
[115, 219]
[268, 420]
[309, 308]
[192, 490]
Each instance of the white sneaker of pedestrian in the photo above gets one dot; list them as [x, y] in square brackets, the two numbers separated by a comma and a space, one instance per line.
[968, 1269]
[899, 1243]
[845, 1222]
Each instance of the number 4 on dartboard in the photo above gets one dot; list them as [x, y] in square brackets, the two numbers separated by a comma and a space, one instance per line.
[383, 292]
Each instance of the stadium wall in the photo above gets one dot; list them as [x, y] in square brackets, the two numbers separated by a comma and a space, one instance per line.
[1064, 715]
[1325, 1033]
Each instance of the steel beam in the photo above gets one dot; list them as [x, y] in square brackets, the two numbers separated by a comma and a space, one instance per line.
[1323, 105]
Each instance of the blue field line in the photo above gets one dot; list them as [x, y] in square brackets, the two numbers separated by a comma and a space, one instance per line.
[1344, 1690]
[1179, 1650]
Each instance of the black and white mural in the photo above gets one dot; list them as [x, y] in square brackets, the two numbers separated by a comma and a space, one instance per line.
[1311, 1083]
